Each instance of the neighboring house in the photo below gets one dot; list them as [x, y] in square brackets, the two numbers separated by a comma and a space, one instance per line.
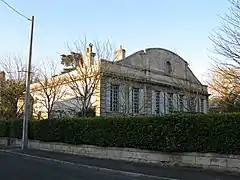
[154, 81]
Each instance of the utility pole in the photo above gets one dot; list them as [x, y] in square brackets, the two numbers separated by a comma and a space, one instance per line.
[27, 95]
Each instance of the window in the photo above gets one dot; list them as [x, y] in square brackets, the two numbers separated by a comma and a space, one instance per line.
[170, 102]
[168, 67]
[135, 100]
[114, 98]
[202, 105]
[157, 102]
[192, 105]
[181, 103]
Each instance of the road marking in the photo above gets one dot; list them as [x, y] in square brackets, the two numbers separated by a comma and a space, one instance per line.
[132, 174]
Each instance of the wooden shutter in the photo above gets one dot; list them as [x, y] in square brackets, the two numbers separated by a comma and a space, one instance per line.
[141, 101]
[153, 102]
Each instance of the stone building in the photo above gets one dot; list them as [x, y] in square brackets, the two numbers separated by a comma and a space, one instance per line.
[153, 81]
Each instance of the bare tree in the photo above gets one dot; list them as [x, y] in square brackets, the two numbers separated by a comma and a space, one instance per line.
[226, 39]
[224, 75]
[84, 78]
[48, 88]
[12, 85]
[126, 84]
[188, 96]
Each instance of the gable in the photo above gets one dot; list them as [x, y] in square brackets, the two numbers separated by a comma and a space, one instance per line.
[191, 77]
[157, 61]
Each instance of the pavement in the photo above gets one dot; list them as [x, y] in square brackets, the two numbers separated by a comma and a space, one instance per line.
[41, 165]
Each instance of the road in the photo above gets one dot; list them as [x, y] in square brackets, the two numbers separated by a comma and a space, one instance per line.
[16, 166]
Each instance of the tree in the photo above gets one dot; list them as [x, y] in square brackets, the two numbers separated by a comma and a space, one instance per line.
[225, 86]
[226, 39]
[224, 74]
[190, 95]
[122, 83]
[12, 86]
[47, 90]
[71, 61]
[84, 81]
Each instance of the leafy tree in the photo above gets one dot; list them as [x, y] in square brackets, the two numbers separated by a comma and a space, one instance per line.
[71, 61]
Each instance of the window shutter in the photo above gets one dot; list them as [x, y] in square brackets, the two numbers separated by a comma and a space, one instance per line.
[121, 102]
[108, 97]
[175, 102]
[130, 100]
[185, 103]
[199, 104]
[141, 101]
[205, 106]
[162, 102]
[196, 104]
[153, 102]
[166, 103]
[178, 102]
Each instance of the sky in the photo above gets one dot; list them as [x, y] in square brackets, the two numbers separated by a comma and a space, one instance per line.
[182, 26]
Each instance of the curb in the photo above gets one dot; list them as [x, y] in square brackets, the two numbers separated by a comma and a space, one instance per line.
[100, 169]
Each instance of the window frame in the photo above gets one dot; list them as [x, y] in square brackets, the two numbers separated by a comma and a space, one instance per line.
[193, 104]
[181, 103]
[201, 105]
[157, 102]
[114, 98]
[135, 100]
[168, 65]
[170, 99]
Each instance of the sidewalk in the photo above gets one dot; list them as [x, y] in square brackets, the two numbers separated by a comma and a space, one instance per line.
[154, 170]
[9, 147]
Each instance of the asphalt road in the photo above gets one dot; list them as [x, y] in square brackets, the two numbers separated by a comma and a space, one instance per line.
[18, 167]
[14, 167]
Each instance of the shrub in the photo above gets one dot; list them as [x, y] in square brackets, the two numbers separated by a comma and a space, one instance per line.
[4, 128]
[219, 133]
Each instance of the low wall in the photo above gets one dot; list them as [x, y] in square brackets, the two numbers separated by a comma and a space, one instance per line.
[204, 160]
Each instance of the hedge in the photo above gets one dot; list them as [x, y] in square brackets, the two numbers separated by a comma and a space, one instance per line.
[174, 133]
[4, 128]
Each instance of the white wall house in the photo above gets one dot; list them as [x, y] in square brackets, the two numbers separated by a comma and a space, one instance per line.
[154, 81]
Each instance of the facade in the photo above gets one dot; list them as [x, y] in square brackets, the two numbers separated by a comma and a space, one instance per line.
[150, 82]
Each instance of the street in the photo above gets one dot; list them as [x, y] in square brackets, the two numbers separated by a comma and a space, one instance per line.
[13, 166]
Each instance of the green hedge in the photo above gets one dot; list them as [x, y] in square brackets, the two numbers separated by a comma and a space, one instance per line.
[4, 128]
[174, 133]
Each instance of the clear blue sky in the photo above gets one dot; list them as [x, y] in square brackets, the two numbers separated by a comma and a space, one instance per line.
[182, 26]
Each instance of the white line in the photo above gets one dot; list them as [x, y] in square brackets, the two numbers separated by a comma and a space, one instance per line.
[132, 174]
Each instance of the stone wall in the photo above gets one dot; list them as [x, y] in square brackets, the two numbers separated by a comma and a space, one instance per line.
[207, 160]
[147, 96]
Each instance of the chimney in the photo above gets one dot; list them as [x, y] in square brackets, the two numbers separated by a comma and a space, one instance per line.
[90, 54]
[120, 54]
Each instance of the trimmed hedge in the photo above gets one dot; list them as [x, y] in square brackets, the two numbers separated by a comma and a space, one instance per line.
[4, 128]
[219, 133]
